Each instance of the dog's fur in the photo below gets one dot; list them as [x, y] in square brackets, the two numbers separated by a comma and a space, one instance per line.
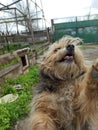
[86, 99]
[66, 97]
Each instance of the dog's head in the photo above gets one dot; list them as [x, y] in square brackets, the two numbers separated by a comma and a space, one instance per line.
[64, 59]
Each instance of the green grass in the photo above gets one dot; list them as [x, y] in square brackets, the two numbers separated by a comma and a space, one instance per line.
[12, 47]
[14, 61]
[10, 113]
[40, 42]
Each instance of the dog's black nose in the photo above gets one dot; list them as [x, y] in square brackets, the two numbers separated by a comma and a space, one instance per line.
[70, 48]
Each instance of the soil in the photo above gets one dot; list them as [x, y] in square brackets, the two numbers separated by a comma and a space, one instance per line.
[90, 52]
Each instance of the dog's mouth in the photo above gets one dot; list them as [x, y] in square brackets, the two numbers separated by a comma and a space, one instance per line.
[68, 57]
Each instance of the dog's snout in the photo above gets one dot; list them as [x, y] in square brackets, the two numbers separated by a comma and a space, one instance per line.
[70, 48]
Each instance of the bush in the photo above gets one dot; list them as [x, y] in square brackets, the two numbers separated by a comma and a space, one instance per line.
[4, 118]
[10, 113]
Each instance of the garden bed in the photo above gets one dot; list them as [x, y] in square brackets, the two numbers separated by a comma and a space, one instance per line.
[11, 112]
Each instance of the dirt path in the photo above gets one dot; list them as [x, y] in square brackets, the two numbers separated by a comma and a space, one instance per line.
[90, 52]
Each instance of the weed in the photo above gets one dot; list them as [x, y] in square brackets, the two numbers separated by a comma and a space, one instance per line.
[10, 113]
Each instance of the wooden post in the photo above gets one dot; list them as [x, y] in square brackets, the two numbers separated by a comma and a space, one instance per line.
[16, 21]
[30, 22]
[48, 36]
[7, 32]
[6, 39]
[53, 29]
[76, 28]
[36, 13]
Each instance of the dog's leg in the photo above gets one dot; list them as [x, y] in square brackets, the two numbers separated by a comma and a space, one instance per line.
[38, 121]
[43, 112]
[92, 76]
[95, 71]
[41, 121]
[86, 103]
[90, 97]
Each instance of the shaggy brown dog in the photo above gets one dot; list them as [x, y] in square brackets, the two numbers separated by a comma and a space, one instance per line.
[52, 105]
[65, 84]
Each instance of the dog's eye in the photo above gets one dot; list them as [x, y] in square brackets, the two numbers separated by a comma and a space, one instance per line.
[57, 49]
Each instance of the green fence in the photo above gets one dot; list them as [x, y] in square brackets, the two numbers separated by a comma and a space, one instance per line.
[83, 27]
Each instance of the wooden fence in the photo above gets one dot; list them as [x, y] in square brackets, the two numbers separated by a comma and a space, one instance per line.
[26, 60]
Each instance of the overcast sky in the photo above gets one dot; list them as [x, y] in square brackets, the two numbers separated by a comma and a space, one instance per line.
[65, 8]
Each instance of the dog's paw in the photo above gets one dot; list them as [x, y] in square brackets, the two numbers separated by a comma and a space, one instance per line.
[95, 69]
